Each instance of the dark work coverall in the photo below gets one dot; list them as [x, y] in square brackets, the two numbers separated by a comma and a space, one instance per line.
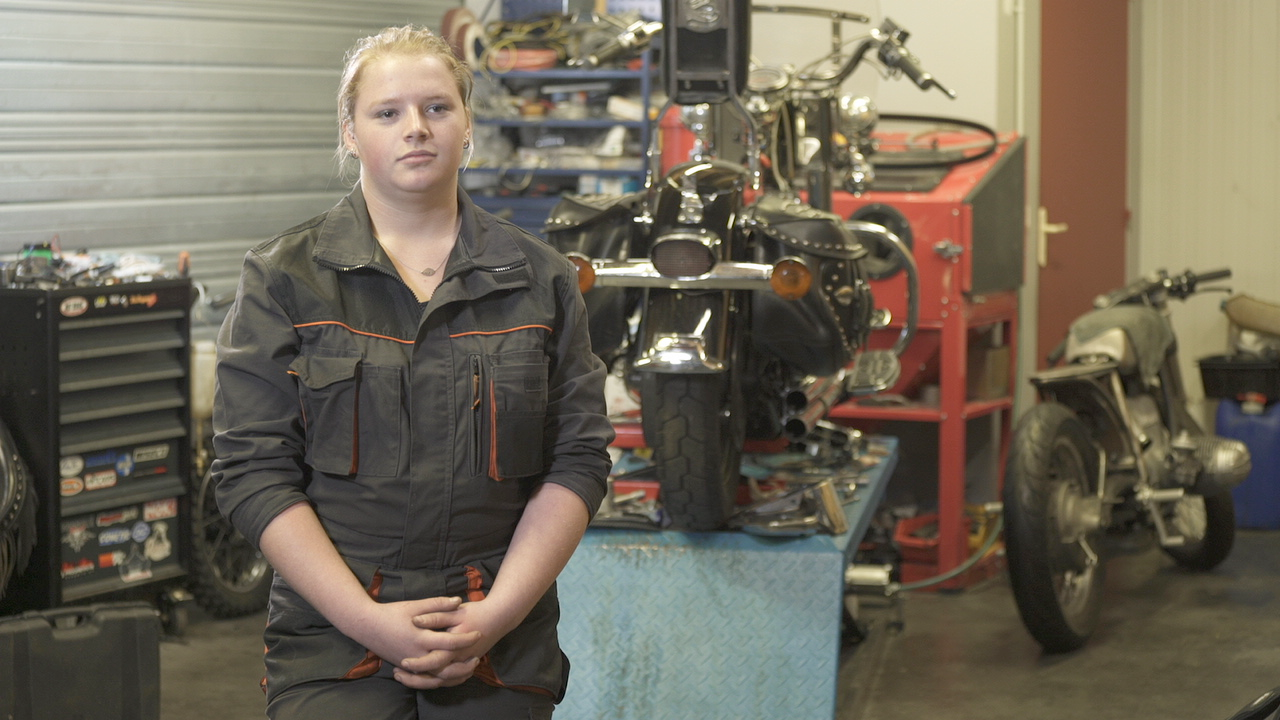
[416, 430]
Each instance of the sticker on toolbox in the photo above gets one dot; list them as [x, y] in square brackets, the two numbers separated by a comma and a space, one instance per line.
[70, 486]
[77, 568]
[150, 453]
[160, 509]
[76, 535]
[141, 461]
[117, 516]
[123, 300]
[73, 306]
[133, 566]
[133, 544]
[70, 466]
[114, 536]
[100, 480]
[158, 546]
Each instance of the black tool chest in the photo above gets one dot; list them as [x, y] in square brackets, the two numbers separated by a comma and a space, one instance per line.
[95, 388]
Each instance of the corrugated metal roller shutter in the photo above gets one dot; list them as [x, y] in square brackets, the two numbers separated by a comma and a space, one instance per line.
[159, 126]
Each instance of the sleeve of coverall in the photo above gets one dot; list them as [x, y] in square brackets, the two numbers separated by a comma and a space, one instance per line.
[577, 432]
[258, 430]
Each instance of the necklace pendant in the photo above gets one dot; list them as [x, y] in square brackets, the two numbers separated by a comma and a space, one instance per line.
[429, 272]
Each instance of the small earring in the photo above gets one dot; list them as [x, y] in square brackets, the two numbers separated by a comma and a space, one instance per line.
[470, 150]
[466, 143]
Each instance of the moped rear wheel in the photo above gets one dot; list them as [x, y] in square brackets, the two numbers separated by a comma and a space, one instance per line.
[698, 430]
[1052, 527]
[1208, 522]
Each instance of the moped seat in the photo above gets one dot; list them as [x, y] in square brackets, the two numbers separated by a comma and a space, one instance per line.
[1251, 313]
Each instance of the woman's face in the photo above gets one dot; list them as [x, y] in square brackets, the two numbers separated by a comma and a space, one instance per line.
[409, 126]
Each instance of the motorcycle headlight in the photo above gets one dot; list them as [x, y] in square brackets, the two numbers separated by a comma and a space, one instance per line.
[858, 114]
[682, 256]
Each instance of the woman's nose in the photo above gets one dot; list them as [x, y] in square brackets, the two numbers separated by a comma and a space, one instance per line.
[418, 125]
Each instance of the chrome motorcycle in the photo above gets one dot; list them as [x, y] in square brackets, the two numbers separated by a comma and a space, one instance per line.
[734, 309]
[1111, 461]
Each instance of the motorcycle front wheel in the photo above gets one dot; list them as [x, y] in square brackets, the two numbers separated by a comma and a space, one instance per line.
[695, 426]
[1208, 522]
[1052, 528]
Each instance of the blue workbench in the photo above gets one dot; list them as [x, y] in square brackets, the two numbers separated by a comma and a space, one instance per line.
[671, 625]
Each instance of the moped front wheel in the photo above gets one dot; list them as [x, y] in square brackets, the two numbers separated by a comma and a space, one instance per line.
[228, 576]
[697, 434]
[1052, 527]
[1208, 522]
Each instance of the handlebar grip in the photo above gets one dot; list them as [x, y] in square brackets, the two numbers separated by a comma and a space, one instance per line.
[894, 54]
[1212, 275]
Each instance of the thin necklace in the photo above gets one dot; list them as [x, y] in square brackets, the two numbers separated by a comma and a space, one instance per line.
[425, 272]
[432, 271]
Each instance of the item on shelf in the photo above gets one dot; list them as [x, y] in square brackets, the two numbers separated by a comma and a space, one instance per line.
[44, 266]
[543, 133]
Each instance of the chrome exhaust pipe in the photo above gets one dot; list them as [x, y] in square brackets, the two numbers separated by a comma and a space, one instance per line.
[810, 404]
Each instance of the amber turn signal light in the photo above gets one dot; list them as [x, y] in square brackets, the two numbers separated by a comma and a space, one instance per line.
[586, 273]
[791, 279]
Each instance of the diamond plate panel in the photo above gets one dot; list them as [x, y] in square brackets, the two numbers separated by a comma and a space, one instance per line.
[706, 625]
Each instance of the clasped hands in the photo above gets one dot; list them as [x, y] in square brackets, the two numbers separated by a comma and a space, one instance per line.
[439, 641]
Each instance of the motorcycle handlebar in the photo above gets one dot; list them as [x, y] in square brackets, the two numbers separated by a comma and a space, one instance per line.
[1210, 276]
[894, 54]
[1180, 286]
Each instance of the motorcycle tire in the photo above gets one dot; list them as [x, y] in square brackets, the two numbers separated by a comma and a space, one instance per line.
[1208, 522]
[17, 511]
[697, 431]
[1056, 573]
[227, 575]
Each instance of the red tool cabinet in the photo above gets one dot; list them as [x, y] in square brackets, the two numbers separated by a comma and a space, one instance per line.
[967, 237]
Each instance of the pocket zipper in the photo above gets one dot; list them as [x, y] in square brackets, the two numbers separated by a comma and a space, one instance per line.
[355, 419]
[477, 415]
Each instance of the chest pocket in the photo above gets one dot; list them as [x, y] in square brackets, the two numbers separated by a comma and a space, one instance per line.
[352, 414]
[509, 410]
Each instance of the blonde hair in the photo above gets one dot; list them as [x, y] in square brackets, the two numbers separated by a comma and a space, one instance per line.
[406, 40]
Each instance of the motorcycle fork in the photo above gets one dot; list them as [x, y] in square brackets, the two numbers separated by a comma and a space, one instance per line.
[687, 332]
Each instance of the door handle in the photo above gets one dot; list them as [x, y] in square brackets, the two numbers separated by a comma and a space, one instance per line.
[1043, 231]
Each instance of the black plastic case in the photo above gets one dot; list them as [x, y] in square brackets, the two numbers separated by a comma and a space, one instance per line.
[89, 662]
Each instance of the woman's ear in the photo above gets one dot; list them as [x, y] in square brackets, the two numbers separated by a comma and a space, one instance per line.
[349, 140]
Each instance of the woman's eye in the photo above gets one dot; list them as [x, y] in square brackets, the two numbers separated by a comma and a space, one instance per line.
[386, 113]
[437, 108]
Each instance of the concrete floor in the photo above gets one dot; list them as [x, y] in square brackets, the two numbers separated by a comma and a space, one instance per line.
[1171, 645]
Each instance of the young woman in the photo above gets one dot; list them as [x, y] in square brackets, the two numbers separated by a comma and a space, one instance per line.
[410, 423]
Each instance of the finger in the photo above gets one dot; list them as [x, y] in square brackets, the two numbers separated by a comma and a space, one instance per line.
[432, 662]
[458, 672]
[454, 641]
[417, 681]
[456, 681]
[453, 674]
[436, 620]
[442, 603]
